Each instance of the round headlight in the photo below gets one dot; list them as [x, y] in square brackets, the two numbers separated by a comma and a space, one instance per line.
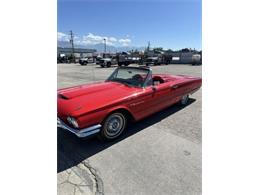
[73, 121]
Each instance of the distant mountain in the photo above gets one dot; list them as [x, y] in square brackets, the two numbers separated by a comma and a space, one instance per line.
[100, 47]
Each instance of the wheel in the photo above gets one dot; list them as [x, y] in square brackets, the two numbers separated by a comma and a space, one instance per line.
[85, 63]
[184, 100]
[113, 126]
[102, 66]
[109, 64]
[119, 64]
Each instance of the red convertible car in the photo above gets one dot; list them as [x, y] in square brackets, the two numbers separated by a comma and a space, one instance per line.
[129, 94]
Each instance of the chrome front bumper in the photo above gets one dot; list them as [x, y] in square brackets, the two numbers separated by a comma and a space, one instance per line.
[82, 132]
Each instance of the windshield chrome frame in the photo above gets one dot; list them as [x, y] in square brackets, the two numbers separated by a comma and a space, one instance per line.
[144, 85]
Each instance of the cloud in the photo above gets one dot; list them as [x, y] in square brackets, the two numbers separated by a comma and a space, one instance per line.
[124, 42]
[92, 39]
[62, 36]
[77, 40]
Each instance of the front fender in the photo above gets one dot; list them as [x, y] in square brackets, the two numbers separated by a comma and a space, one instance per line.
[124, 108]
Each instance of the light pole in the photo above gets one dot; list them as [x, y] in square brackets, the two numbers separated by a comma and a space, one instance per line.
[105, 46]
[72, 46]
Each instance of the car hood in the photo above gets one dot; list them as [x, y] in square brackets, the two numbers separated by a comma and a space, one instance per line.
[86, 98]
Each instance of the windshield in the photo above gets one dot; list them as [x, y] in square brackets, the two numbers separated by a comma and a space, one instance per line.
[136, 77]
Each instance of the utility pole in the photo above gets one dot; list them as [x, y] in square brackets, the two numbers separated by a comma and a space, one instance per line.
[72, 45]
[105, 45]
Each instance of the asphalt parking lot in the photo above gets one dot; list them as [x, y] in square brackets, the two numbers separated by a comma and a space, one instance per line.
[159, 155]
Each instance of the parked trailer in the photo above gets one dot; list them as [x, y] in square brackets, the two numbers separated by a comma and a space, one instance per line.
[196, 59]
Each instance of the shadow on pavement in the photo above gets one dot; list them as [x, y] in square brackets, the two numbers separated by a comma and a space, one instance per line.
[72, 150]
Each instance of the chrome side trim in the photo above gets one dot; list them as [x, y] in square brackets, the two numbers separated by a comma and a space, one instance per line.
[193, 91]
[80, 133]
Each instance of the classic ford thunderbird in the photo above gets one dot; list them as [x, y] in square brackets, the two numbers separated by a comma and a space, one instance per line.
[129, 94]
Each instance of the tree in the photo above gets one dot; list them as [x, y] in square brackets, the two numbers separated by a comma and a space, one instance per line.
[185, 50]
[158, 49]
[169, 51]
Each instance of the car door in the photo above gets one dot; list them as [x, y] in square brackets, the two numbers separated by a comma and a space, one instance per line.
[113, 60]
[142, 104]
[153, 99]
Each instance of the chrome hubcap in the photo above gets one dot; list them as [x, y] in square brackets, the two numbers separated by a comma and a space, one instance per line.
[115, 124]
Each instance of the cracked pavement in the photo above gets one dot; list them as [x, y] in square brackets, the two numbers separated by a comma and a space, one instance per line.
[80, 179]
[158, 155]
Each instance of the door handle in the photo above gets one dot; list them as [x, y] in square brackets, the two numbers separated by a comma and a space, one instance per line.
[175, 86]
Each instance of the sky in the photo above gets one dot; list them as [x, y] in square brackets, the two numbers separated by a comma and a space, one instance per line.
[171, 24]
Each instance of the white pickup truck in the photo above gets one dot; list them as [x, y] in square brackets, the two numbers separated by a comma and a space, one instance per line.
[85, 61]
[108, 61]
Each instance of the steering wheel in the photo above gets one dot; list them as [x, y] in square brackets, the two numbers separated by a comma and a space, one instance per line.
[137, 77]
